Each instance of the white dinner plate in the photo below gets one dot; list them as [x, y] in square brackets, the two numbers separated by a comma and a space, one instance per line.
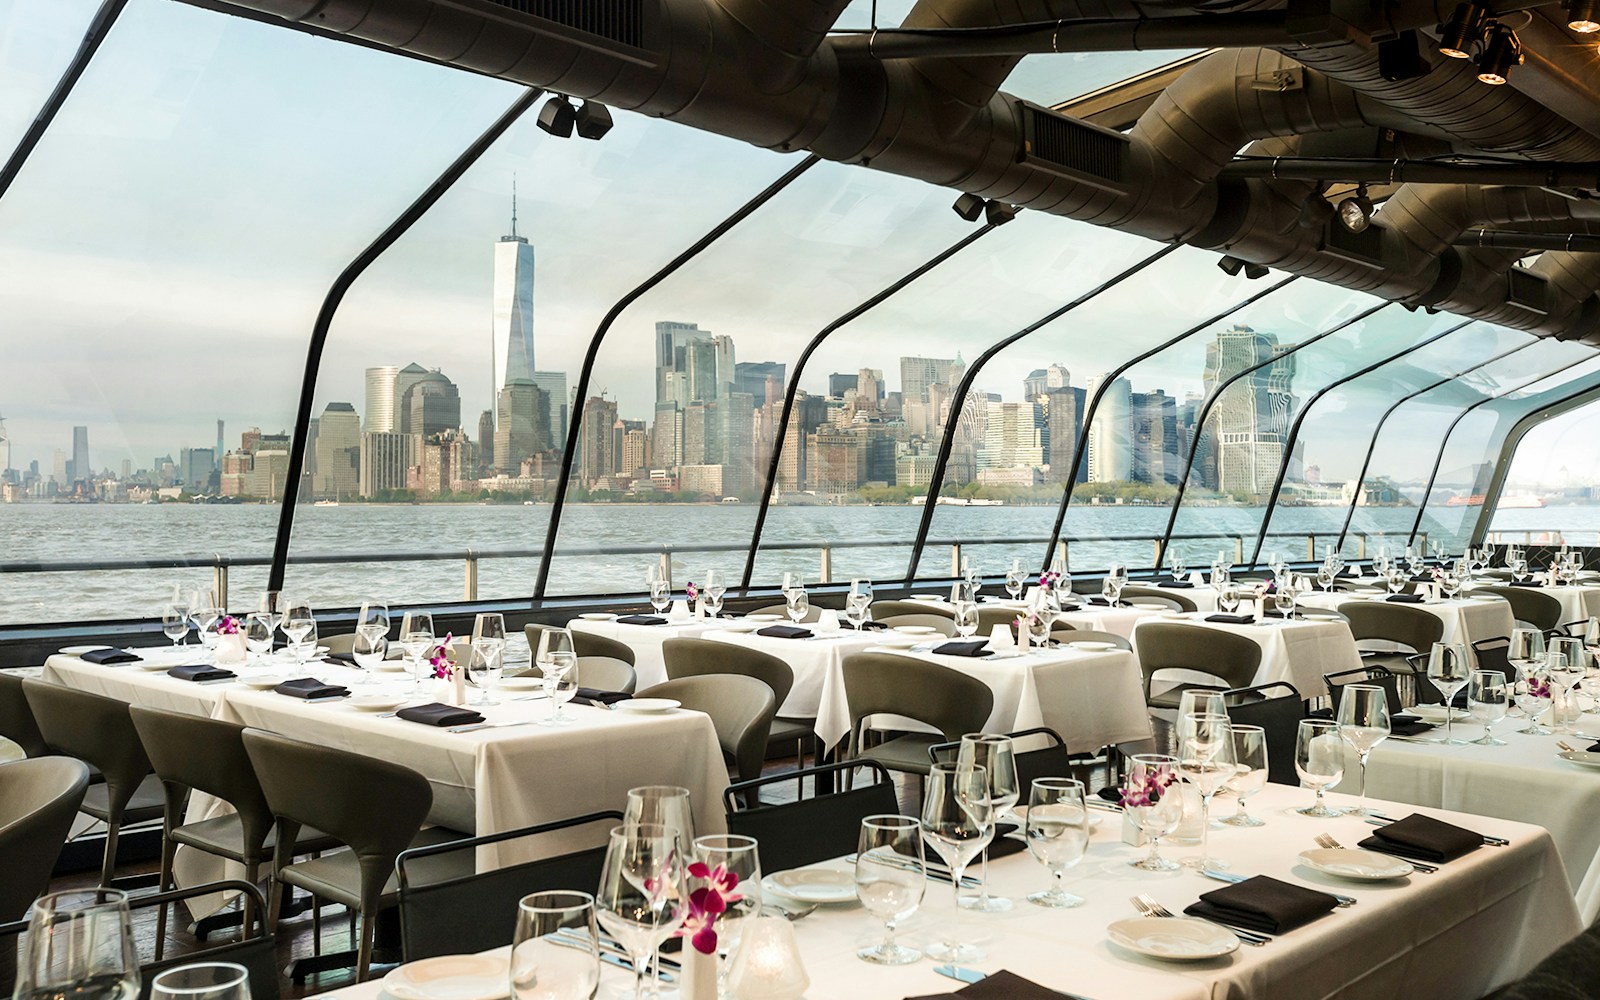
[1173, 614]
[1019, 815]
[926, 597]
[159, 664]
[741, 626]
[263, 683]
[1093, 645]
[1436, 713]
[813, 885]
[1322, 618]
[763, 618]
[1583, 757]
[648, 706]
[916, 629]
[1173, 939]
[525, 682]
[80, 650]
[1150, 606]
[1484, 597]
[1356, 865]
[890, 642]
[597, 616]
[375, 702]
[287, 653]
[451, 977]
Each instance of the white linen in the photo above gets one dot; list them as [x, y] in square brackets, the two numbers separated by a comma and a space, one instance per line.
[1577, 603]
[649, 665]
[812, 660]
[1465, 621]
[1203, 595]
[1117, 621]
[1299, 652]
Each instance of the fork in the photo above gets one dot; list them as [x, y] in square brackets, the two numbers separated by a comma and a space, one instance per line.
[1148, 906]
[1323, 840]
[1568, 747]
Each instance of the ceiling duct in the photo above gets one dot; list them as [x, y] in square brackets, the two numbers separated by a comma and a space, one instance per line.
[628, 23]
[1071, 148]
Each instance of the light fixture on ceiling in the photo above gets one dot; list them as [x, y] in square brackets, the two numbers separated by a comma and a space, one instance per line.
[1233, 265]
[1581, 16]
[969, 207]
[1458, 35]
[593, 120]
[998, 213]
[1502, 51]
[558, 116]
[1356, 211]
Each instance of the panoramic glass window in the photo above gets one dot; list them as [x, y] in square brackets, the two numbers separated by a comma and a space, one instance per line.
[37, 40]
[1549, 494]
[169, 242]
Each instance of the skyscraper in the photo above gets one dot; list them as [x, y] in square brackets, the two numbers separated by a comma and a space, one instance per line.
[338, 452]
[407, 377]
[218, 452]
[513, 303]
[432, 405]
[1063, 424]
[1250, 419]
[595, 455]
[1110, 451]
[554, 385]
[80, 454]
[917, 374]
[380, 399]
[5, 448]
[520, 427]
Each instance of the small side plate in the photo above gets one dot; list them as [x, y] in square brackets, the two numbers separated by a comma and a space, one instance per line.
[647, 706]
[451, 977]
[1173, 939]
[813, 885]
[1356, 865]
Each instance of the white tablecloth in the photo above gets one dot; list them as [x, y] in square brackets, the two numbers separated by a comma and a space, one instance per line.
[649, 666]
[1464, 620]
[1577, 603]
[1203, 595]
[1479, 923]
[1299, 652]
[812, 661]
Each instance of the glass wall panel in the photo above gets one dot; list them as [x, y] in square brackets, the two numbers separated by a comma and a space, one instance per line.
[37, 40]
[1337, 430]
[1027, 406]
[1053, 78]
[1552, 490]
[432, 452]
[166, 250]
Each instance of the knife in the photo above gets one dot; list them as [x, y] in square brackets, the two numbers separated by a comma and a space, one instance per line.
[1231, 877]
[970, 976]
[606, 943]
[1383, 820]
[488, 725]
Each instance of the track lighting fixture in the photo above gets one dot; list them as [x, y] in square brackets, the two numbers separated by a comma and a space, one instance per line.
[1233, 265]
[1230, 265]
[594, 120]
[1502, 51]
[1581, 16]
[558, 116]
[1464, 30]
[969, 207]
[1356, 211]
[997, 213]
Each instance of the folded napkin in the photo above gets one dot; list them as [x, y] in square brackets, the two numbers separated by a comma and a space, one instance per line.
[1595, 748]
[1275, 613]
[641, 620]
[1408, 725]
[1099, 602]
[1422, 578]
[1263, 904]
[873, 626]
[592, 696]
[1003, 846]
[1525, 583]
[1000, 985]
[435, 714]
[1176, 584]
[104, 656]
[1405, 598]
[975, 647]
[1424, 838]
[310, 687]
[785, 632]
[201, 672]
[341, 659]
[1231, 619]
[1111, 793]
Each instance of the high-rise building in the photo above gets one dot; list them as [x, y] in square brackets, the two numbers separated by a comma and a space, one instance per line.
[380, 415]
[671, 338]
[485, 443]
[595, 457]
[432, 405]
[1042, 380]
[5, 448]
[1249, 420]
[520, 428]
[1110, 451]
[513, 304]
[1013, 435]
[218, 453]
[1063, 426]
[840, 383]
[58, 467]
[554, 385]
[81, 469]
[385, 457]
[194, 468]
[751, 377]
[1153, 435]
[404, 379]
[338, 452]
[666, 436]
[917, 374]
[699, 367]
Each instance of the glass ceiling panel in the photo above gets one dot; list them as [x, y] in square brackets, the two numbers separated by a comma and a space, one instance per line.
[37, 41]
[1029, 407]
[1053, 78]
[589, 227]
[194, 200]
[1338, 428]
[916, 347]
[1550, 491]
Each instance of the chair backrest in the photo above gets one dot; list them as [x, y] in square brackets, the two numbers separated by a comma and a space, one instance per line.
[946, 626]
[741, 710]
[699, 657]
[95, 729]
[38, 800]
[343, 643]
[1399, 623]
[473, 913]
[1277, 708]
[946, 699]
[1170, 599]
[592, 644]
[1231, 658]
[890, 609]
[808, 830]
[1062, 632]
[603, 673]
[1493, 654]
[989, 617]
[16, 718]
[1049, 761]
[813, 612]
[191, 751]
[1529, 605]
[1381, 676]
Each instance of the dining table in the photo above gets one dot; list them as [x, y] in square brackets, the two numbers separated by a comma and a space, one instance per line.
[1465, 619]
[1298, 651]
[649, 663]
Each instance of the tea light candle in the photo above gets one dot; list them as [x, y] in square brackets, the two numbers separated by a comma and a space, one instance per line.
[768, 962]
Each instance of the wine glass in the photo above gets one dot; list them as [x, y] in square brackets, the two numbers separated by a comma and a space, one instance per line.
[663, 805]
[1395, 580]
[715, 592]
[560, 685]
[1526, 651]
[738, 856]
[1108, 590]
[660, 595]
[175, 624]
[79, 945]
[1533, 697]
[1228, 598]
[416, 635]
[1325, 575]
[1175, 564]
[1057, 829]
[1062, 587]
[1488, 702]
[1568, 674]
[641, 894]
[997, 756]
[203, 610]
[1518, 567]
[1193, 702]
[1117, 574]
[966, 619]
[258, 634]
[797, 604]
[489, 644]
[298, 624]
[1205, 760]
[957, 822]
[891, 878]
[202, 981]
[1149, 797]
[1363, 723]
[1449, 670]
[1250, 771]
[1319, 761]
[179, 603]
[1016, 579]
[541, 968]
[1219, 572]
[1283, 599]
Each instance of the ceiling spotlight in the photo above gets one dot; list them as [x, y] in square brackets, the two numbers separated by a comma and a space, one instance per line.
[594, 120]
[1581, 16]
[1356, 211]
[969, 207]
[1502, 51]
[1254, 271]
[1458, 35]
[557, 117]
[1231, 265]
[997, 213]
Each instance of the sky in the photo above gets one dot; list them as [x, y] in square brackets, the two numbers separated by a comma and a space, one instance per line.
[165, 251]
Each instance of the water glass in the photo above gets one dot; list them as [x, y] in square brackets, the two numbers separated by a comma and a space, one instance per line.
[891, 878]
[1149, 796]
[298, 625]
[416, 635]
[966, 619]
[1283, 598]
[272, 604]
[204, 612]
[489, 648]
[1319, 761]
[712, 591]
[202, 981]
[1526, 652]
[555, 952]
[1249, 771]
[1205, 760]
[957, 823]
[1363, 723]
[996, 755]
[1487, 701]
[642, 894]
[1533, 697]
[258, 634]
[175, 624]
[797, 604]
[1057, 830]
[1193, 702]
[740, 857]
[79, 946]
[1449, 670]
[369, 648]
[1016, 579]
[660, 595]
[1228, 598]
[560, 685]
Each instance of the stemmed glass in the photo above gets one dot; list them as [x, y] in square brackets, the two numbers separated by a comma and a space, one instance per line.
[1016, 579]
[957, 822]
[1228, 598]
[1117, 577]
[641, 894]
[542, 968]
[258, 635]
[272, 605]
[1526, 651]
[299, 624]
[966, 619]
[205, 613]
[1062, 587]
[416, 635]
[1518, 567]
[737, 855]
[663, 805]
[1449, 670]
[202, 981]
[660, 591]
[1325, 577]
[1363, 723]
[858, 605]
[716, 586]
[175, 624]
[891, 878]
[79, 944]
[1487, 700]
[179, 605]
[1057, 829]
[1533, 697]
[1567, 672]
[557, 658]
[1250, 771]
[488, 655]
[1148, 796]
[1283, 599]
[996, 755]
[1205, 760]
[1175, 563]
[796, 604]
[1319, 761]
[372, 637]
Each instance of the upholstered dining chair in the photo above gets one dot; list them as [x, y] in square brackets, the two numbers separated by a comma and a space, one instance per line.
[740, 708]
[690, 657]
[949, 701]
[1232, 659]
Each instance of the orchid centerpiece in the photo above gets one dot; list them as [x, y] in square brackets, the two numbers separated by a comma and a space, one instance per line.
[229, 625]
[439, 659]
[691, 591]
[707, 904]
[1146, 787]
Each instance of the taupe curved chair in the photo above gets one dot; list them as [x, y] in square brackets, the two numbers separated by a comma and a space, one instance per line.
[1066, 633]
[373, 806]
[1396, 623]
[344, 644]
[603, 673]
[16, 718]
[886, 684]
[702, 657]
[889, 609]
[989, 617]
[38, 799]
[1529, 606]
[1232, 659]
[1170, 599]
[946, 626]
[741, 710]
[782, 611]
[584, 644]
[99, 731]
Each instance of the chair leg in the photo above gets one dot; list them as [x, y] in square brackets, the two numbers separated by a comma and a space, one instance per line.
[168, 849]
[108, 866]
[316, 924]
[364, 952]
[252, 874]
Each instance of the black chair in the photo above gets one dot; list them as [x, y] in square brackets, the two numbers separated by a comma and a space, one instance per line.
[1381, 676]
[806, 831]
[1493, 653]
[1570, 973]
[1049, 761]
[1277, 708]
[472, 913]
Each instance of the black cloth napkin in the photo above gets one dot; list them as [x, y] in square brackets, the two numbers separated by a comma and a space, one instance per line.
[641, 620]
[1422, 578]
[341, 659]
[1232, 619]
[1408, 725]
[1405, 598]
[201, 672]
[1275, 613]
[1003, 846]
[785, 632]
[1000, 985]
[1180, 584]
[975, 647]
[592, 696]
[873, 626]
[1525, 583]
[1594, 748]
[310, 687]
[1424, 838]
[104, 656]
[1111, 793]
[436, 714]
[1263, 904]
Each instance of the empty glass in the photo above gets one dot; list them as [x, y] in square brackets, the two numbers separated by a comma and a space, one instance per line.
[1249, 771]
[797, 604]
[202, 981]
[179, 603]
[957, 822]
[204, 611]
[1363, 723]
[1228, 598]
[175, 624]
[1567, 672]
[1533, 697]
[488, 661]
[660, 595]
[298, 625]
[1149, 797]
[416, 635]
[891, 879]
[555, 952]
[1205, 760]
[1016, 579]
[560, 685]
[1449, 670]
[1487, 701]
[1175, 563]
[641, 896]
[1527, 649]
[663, 805]
[1319, 761]
[1057, 830]
[966, 619]
[739, 856]
[258, 635]
[79, 947]
[716, 587]
[997, 756]
[1197, 701]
